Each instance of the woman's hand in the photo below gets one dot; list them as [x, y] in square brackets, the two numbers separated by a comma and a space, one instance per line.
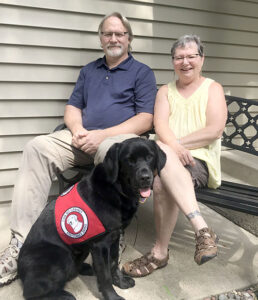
[184, 155]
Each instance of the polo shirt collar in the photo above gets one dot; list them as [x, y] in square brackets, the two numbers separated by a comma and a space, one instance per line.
[124, 65]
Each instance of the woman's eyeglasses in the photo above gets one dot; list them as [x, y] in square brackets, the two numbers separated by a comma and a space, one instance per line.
[190, 57]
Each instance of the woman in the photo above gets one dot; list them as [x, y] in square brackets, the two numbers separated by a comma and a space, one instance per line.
[189, 119]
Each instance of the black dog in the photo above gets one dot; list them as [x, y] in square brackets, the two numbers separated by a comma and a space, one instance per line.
[56, 246]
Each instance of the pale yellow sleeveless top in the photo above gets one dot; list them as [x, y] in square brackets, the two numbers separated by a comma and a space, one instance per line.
[188, 115]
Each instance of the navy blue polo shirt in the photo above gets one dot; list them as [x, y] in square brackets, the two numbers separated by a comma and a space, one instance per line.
[108, 97]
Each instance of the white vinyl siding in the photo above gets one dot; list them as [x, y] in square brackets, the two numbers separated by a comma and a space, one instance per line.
[43, 45]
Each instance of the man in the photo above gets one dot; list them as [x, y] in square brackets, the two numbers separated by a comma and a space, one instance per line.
[112, 100]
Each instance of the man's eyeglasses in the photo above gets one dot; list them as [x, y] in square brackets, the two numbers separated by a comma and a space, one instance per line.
[118, 35]
[190, 57]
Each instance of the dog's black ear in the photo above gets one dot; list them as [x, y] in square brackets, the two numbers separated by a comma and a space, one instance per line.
[111, 163]
[161, 157]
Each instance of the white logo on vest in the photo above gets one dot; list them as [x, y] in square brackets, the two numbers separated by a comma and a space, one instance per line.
[74, 222]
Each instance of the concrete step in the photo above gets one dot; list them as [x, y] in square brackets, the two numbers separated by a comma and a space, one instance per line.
[240, 167]
[236, 266]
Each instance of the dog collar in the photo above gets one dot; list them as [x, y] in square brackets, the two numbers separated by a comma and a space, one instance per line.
[75, 221]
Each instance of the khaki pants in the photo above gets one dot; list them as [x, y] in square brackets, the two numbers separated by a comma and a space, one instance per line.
[42, 158]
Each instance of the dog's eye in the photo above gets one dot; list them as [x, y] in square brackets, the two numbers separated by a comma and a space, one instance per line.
[149, 157]
[131, 160]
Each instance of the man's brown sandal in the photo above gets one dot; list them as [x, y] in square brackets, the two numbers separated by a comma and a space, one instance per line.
[144, 265]
[206, 247]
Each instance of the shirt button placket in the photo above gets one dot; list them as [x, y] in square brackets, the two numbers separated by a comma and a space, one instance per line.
[107, 76]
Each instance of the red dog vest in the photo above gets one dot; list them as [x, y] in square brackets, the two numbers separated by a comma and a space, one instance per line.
[75, 220]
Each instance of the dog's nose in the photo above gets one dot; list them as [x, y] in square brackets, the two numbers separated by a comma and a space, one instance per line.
[145, 177]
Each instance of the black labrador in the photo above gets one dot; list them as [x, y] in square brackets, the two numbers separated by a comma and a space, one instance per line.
[88, 218]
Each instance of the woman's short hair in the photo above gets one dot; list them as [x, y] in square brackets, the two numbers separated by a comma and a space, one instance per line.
[186, 39]
[124, 21]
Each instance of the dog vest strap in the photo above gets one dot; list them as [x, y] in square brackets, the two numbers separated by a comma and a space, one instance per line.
[75, 221]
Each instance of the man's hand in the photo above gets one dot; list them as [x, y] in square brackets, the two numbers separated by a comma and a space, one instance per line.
[90, 141]
[78, 138]
[184, 155]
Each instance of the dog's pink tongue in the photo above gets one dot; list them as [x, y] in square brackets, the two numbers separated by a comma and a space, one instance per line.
[145, 193]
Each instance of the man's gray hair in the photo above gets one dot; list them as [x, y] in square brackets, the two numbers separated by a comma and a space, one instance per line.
[124, 21]
[186, 39]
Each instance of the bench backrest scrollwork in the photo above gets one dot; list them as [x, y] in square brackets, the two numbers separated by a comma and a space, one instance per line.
[241, 132]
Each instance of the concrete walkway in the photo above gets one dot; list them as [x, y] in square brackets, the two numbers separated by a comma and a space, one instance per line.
[236, 266]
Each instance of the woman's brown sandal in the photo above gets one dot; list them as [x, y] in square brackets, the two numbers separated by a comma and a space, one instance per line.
[144, 265]
[206, 246]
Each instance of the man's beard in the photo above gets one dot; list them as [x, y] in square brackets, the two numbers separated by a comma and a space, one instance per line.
[115, 52]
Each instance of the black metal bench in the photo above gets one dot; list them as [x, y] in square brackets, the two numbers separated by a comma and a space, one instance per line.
[241, 134]
[230, 195]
